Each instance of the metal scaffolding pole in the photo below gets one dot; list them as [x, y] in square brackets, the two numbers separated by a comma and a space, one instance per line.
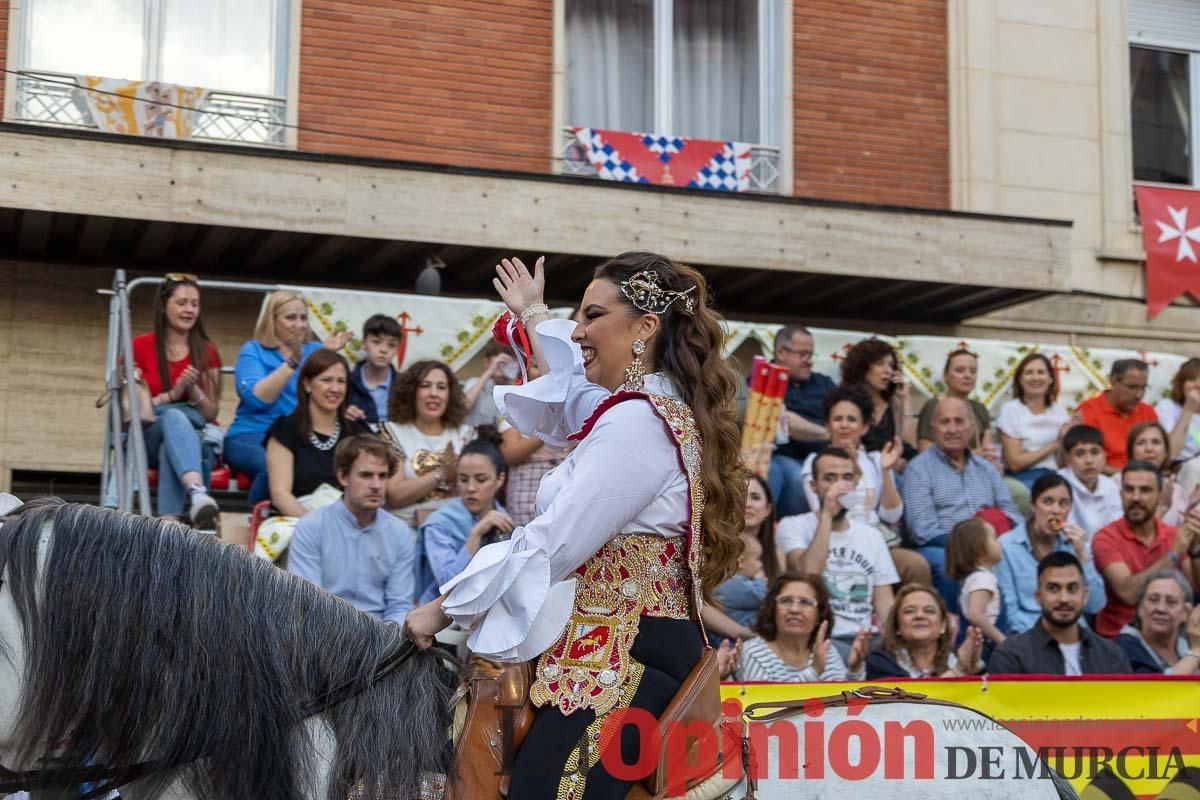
[137, 444]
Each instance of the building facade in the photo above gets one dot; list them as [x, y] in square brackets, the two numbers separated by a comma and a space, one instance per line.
[946, 166]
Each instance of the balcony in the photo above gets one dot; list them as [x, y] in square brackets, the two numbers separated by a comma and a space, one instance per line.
[764, 172]
[57, 100]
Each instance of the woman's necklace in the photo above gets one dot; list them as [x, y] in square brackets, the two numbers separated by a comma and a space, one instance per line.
[328, 443]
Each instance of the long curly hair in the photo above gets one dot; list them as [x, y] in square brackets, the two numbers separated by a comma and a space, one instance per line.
[402, 404]
[688, 349]
[859, 359]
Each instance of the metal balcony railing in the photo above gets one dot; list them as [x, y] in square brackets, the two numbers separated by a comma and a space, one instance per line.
[56, 99]
[764, 164]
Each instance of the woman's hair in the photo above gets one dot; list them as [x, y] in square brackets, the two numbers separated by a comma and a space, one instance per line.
[861, 357]
[402, 404]
[962, 351]
[1051, 390]
[1138, 430]
[197, 339]
[1047, 482]
[855, 395]
[486, 443]
[965, 547]
[314, 365]
[1187, 371]
[765, 625]
[892, 643]
[264, 331]
[688, 349]
[766, 533]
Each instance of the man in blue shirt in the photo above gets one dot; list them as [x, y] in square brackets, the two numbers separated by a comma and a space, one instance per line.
[804, 418]
[371, 380]
[353, 548]
[948, 484]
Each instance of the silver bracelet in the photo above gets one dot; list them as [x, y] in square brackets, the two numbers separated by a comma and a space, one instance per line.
[532, 311]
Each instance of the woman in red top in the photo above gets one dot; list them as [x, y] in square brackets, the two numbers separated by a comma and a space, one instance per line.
[180, 367]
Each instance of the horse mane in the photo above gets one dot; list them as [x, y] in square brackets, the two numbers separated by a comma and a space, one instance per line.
[146, 640]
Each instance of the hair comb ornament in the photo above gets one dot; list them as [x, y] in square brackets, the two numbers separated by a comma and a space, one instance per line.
[647, 294]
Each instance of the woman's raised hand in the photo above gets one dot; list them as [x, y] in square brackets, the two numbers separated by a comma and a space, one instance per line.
[821, 649]
[517, 288]
[728, 655]
[337, 340]
[858, 650]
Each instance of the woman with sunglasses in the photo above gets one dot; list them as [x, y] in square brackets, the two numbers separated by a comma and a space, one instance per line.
[179, 367]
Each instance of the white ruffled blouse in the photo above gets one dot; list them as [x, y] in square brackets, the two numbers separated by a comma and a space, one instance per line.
[624, 477]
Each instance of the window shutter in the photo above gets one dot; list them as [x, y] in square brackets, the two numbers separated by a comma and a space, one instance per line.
[1167, 23]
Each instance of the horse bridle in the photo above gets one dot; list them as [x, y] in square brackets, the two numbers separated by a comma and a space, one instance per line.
[108, 779]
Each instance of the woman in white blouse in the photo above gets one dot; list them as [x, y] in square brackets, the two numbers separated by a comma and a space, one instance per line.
[1032, 423]
[633, 528]
[1180, 416]
[793, 644]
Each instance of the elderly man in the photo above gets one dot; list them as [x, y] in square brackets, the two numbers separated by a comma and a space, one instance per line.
[1058, 644]
[1117, 409]
[1139, 544]
[804, 417]
[947, 484]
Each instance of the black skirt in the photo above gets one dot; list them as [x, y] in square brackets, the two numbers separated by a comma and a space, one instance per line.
[548, 764]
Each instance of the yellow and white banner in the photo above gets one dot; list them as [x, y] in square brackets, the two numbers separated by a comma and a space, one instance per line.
[1112, 737]
[141, 108]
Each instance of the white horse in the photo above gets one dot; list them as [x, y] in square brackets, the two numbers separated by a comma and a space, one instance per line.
[139, 654]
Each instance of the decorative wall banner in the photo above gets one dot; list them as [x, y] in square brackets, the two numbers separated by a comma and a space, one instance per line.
[1171, 235]
[137, 107]
[1116, 736]
[455, 329]
[667, 160]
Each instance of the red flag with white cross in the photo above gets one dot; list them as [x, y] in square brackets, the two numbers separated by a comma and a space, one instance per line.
[1171, 234]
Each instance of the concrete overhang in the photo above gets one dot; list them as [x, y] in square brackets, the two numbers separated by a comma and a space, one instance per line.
[82, 197]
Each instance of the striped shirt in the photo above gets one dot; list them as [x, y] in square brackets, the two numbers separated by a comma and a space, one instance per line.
[938, 496]
[760, 663]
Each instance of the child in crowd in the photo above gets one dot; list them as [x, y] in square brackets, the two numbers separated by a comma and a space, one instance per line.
[1097, 499]
[971, 551]
[371, 381]
[743, 594]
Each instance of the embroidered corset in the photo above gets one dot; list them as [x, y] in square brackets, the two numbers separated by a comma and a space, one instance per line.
[632, 576]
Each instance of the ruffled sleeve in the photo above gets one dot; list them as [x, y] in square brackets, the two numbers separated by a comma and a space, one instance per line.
[516, 596]
[555, 405]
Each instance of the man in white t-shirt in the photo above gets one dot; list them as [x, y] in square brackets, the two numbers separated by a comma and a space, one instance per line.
[841, 547]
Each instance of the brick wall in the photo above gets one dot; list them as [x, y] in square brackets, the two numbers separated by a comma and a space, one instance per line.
[870, 101]
[434, 76]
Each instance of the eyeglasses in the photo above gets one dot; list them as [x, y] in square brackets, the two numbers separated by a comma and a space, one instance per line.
[796, 602]
[180, 277]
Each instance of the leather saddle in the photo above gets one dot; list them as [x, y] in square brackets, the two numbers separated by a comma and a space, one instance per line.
[498, 699]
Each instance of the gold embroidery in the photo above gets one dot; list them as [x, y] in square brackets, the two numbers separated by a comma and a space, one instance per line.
[631, 576]
[573, 783]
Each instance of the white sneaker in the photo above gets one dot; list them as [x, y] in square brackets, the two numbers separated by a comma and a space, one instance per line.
[203, 511]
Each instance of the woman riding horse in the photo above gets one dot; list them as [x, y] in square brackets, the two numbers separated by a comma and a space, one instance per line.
[634, 528]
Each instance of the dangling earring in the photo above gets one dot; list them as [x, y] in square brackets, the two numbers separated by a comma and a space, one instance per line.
[636, 370]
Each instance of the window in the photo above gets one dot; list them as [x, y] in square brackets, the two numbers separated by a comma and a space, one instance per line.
[708, 69]
[237, 46]
[1164, 73]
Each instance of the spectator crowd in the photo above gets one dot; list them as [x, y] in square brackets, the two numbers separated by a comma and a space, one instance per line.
[881, 543]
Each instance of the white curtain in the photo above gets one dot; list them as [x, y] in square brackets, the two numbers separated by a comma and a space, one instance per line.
[220, 44]
[716, 69]
[610, 64]
[100, 37]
